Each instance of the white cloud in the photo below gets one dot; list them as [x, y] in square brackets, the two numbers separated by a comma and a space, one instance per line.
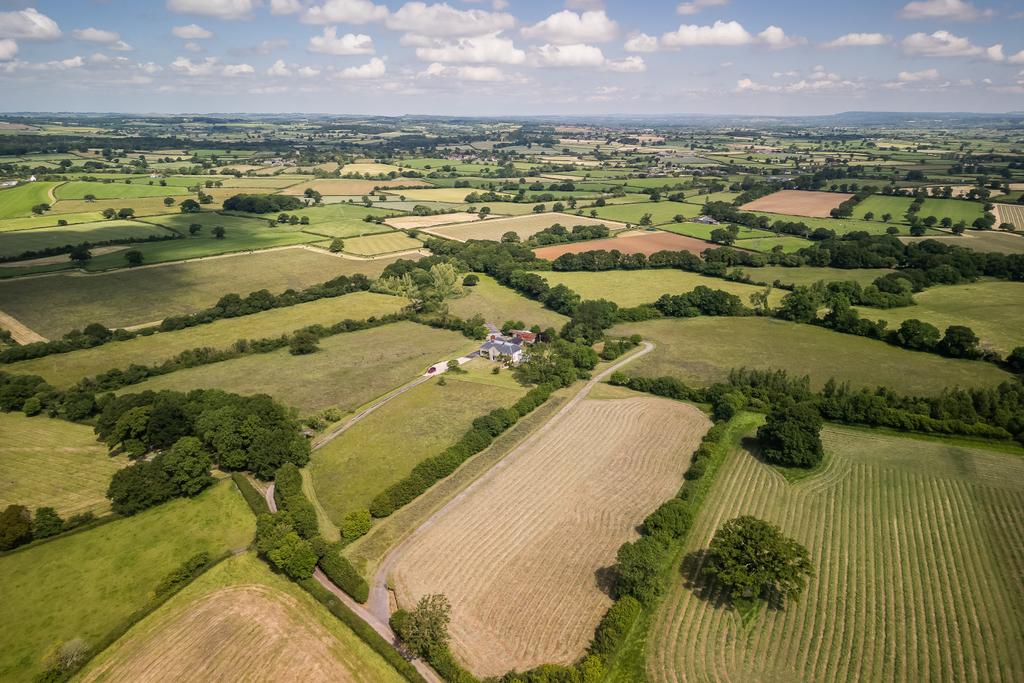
[8, 48]
[687, 8]
[345, 12]
[222, 9]
[238, 70]
[916, 76]
[464, 73]
[121, 46]
[1017, 58]
[329, 43]
[818, 81]
[193, 47]
[641, 42]
[308, 72]
[568, 56]
[481, 49]
[859, 40]
[629, 65]
[441, 19]
[569, 28]
[720, 33]
[945, 44]
[775, 38]
[279, 70]
[96, 35]
[28, 24]
[374, 68]
[285, 6]
[191, 32]
[958, 10]
[184, 65]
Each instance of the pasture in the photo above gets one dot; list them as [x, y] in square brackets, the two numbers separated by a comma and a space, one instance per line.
[15, 243]
[702, 231]
[54, 304]
[344, 186]
[65, 369]
[703, 350]
[983, 240]
[90, 582]
[383, 448]
[525, 226]
[808, 275]
[917, 554]
[634, 242]
[787, 243]
[636, 287]
[49, 220]
[954, 209]
[77, 189]
[18, 200]
[342, 219]
[517, 554]
[349, 370]
[383, 243]
[660, 212]
[54, 463]
[240, 621]
[497, 304]
[798, 203]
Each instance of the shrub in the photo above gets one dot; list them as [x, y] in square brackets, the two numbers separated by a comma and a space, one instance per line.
[290, 498]
[294, 556]
[15, 527]
[471, 280]
[791, 437]
[356, 524]
[615, 625]
[182, 575]
[46, 523]
[341, 572]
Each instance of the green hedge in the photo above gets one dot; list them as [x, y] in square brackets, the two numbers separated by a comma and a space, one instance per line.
[257, 503]
[289, 497]
[376, 642]
[342, 574]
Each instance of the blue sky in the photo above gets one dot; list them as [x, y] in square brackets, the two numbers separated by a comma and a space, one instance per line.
[504, 57]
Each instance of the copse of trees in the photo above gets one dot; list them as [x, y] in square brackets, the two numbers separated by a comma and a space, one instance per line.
[262, 203]
[791, 435]
[183, 470]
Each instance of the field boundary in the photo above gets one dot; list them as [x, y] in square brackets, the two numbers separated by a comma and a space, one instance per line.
[21, 332]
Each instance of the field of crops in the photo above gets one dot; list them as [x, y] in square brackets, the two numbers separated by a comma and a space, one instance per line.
[53, 463]
[263, 626]
[703, 350]
[635, 287]
[383, 243]
[92, 581]
[917, 552]
[517, 555]
[798, 203]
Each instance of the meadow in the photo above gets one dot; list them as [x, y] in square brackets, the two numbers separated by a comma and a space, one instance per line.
[66, 369]
[54, 463]
[263, 625]
[77, 189]
[917, 554]
[90, 582]
[382, 448]
[54, 304]
[636, 287]
[497, 304]
[342, 219]
[954, 209]
[16, 243]
[349, 370]
[661, 212]
[48, 220]
[703, 350]
[808, 275]
[19, 200]
[383, 243]
[984, 240]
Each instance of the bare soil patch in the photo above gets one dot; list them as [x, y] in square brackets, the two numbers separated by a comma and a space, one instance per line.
[521, 556]
[634, 242]
[798, 203]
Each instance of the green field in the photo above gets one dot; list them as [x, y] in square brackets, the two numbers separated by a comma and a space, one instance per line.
[349, 370]
[991, 308]
[985, 240]
[54, 463]
[703, 350]
[384, 243]
[49, 220]
[65, 369]
[954, 209]
[383, 448]
[840, 226]
[19, 200]
[15, 243]
[635, 287]
[55, 304]
[343, 220]
[808, 275]
[299, 637]
[703, 231]
[138, 188]
[86, 584]
[788, 243]
[917, 554]
[661, 212]
[497, 304]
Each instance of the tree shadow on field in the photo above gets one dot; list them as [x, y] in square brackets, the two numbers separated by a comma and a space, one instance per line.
[703, 588]
[752, 446]
[604, 578]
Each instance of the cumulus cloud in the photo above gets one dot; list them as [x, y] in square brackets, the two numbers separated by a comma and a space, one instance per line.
[629, 65]
[279, 70]
[191, 32]
[96, 35]
[464, 73]
[859, 40]
[8, 48]
[345, 12]
[28, 24]
[186, 66]
[719, 33]
[641, 42]
[374, 68]
[570, 28]
[568, 55]
[237, 69]
[441, 19]
[775, 38]
[285, 6]
[222, 9]
[687, 8]
[817, 81]
[480, 49]
[957, 10]
[329, 43]
[1017, 58]
[946, 44]
[308, 72]
[916, 76]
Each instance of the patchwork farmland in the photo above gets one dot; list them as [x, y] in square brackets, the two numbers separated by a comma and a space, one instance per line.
[798, 203]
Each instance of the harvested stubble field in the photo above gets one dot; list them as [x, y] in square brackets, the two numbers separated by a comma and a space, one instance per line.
[383, 448]
[917, 552]
[798, 203]
[92, 581]
[646, 242]
[351, 187]
[65, 369]
[418, 222]
[520, 554]
[45, 462]
[497, 304]
[349, 370]
[703, 350]
[240, 622]
[383, 243]
[54, 304]
[524, 226]
[636, 287]
[1010, 213]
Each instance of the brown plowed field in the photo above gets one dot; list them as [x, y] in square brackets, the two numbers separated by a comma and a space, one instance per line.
[520, 554]
[629, 243]
[798, 203]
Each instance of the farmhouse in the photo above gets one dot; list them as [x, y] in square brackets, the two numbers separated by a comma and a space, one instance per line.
[499, 346]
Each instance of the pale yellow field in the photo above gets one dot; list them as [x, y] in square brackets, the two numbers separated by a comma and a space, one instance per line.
[440, 194]
[517, 556]
[371, 168]
[384, 243]
[418, 222]
[524, 226]
[343, 186]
